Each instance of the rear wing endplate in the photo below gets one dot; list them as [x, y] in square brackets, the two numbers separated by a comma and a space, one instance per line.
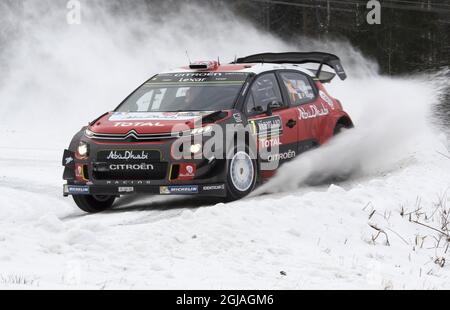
[299, 58]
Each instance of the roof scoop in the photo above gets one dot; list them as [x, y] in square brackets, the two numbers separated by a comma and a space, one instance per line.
[204, 65]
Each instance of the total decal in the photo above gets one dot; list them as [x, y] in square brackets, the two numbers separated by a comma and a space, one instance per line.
[179, 189]
[313, 111]
[138, 124]
[155, 116]
[271, 142]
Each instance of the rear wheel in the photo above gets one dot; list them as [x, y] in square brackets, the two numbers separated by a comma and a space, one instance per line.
[94, 203]
[241, 175]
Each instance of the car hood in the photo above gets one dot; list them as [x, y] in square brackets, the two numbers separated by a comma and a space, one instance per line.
[146, 122]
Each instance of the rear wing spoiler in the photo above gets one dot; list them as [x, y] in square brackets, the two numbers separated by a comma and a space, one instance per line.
[300, 58]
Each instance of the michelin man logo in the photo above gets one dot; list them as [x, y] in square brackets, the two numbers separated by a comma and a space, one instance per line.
[327, 99]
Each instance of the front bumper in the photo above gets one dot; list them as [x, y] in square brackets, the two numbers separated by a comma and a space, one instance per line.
[82, 175]
[209, 190]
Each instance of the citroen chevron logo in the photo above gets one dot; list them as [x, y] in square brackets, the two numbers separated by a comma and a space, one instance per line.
[132, 134]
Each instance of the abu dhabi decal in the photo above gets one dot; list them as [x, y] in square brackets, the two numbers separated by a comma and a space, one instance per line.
[127, 155]
[156, 116]
[178, 189]
[312, 111]
[326, 99]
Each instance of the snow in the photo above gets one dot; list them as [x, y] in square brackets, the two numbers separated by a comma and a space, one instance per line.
[289, 235]
[319, 236]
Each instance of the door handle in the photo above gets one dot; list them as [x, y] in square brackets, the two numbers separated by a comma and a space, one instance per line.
[291, 123]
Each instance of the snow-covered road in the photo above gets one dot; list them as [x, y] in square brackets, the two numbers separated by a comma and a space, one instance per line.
[313, 237]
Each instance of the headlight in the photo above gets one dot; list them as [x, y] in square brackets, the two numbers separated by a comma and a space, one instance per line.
[83, 149]
[88, 133]
[196, 148]
[201, 130]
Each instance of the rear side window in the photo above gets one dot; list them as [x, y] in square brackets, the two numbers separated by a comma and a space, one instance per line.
[264, 90]
[298, 87]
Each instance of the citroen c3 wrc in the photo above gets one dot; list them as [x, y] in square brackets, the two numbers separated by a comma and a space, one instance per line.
[207, 129]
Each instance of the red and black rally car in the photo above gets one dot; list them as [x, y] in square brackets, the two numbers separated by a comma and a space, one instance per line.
[207, 129]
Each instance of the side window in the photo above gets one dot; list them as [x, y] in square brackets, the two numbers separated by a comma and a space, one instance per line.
[264, 90]
[299, 87]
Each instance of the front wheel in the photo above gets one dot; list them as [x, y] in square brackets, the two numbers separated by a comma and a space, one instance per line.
[94, 203]
[241, 175]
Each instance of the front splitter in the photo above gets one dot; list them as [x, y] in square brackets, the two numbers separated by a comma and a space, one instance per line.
[207, 190]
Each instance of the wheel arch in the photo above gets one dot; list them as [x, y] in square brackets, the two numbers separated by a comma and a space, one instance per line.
[344, 120]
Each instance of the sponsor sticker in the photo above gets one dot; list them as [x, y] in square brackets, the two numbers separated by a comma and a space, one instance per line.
[265, 143]
[138, 124]
[68, 160]
[128, 189]
[237, 117]
[268, 125]
[128, 155]
[122, 117]
[179, 189]
[216, 187]
[326, 99]
[77, 189]
[187, 171]
[313, 111]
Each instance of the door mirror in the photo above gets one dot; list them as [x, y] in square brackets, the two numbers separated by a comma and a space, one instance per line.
[274, 105]
[258, 109]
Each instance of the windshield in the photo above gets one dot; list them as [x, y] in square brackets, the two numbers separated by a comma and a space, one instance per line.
[190, 91]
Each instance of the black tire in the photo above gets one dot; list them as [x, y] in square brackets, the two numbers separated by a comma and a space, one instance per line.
[94, 204]
[338, 129]
[233, 190]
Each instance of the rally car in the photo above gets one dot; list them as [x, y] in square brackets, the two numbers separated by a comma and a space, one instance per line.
[206, 129]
